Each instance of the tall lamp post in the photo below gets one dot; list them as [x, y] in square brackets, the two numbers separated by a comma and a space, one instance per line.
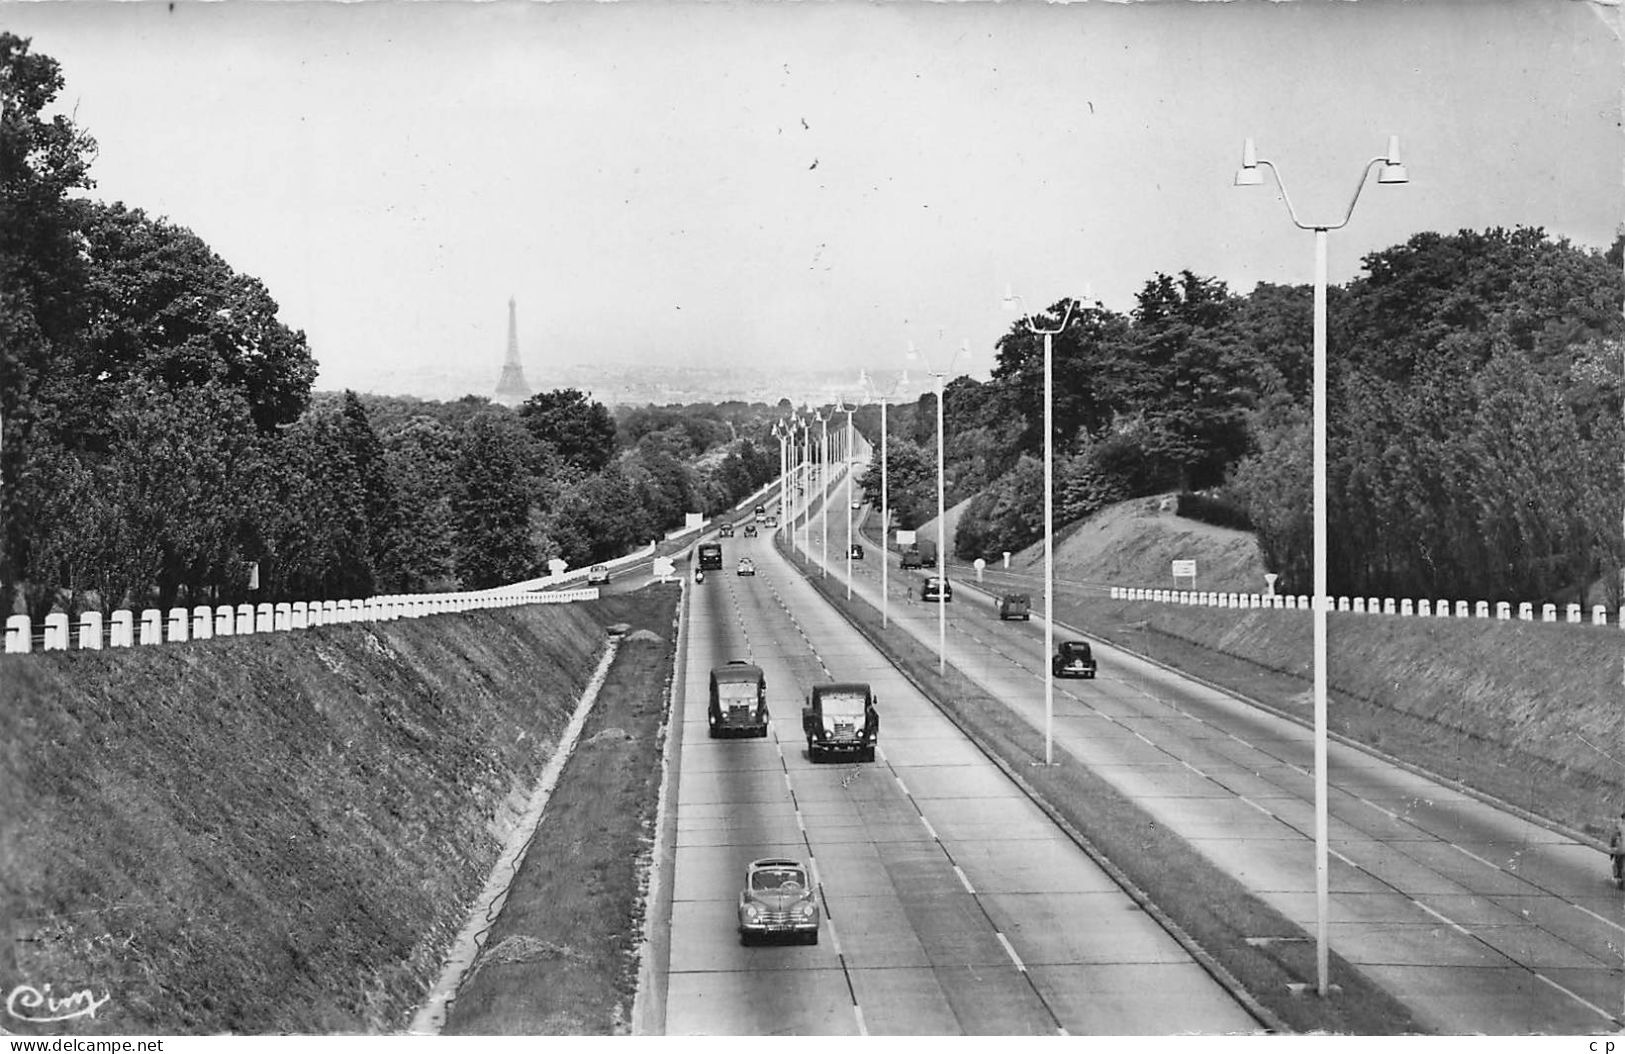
[885, 496]
[823, 489]
[942, 547]
[846, 465]
[805, 424]
[781, 433]
[1014, 302]
[1392, 171]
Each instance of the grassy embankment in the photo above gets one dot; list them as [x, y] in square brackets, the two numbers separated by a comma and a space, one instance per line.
[277, 833]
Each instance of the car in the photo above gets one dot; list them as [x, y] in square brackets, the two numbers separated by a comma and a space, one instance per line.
[760, 513]
[1073, 658]
[738, 705]
[1013, 606]
[750, 530]
[840, 719]
[598, 575]
[857, 551]
[778, 901]
[938, 589]
[747, 566]
[725, 531]
[771, 522]
[856, 505]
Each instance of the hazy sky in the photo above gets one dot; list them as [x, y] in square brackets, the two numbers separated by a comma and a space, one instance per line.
[819, 182]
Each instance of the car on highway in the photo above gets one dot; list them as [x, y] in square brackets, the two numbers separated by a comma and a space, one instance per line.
[760, 513]
[725, 531]
[938, 589]
[856, 505]
[771, 522]
[778, 901]
[747, 566]
[840, 719]
[598, 575]
[1073, 658]
[857, 551]
[750, 530]
[738, 705]
[1014, 606]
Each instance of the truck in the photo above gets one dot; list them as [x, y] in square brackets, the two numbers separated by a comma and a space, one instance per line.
[920, 554]
[710, 556]
[738, 700]
[841, 718]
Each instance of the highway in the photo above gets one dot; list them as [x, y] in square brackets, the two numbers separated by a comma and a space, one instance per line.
[1479, 920]
[952, 905]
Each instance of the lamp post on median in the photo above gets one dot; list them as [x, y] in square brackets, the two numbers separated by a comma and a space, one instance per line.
[1392, 172]
[823, 490]
[1014, 302]
[846, 466]
[942, 548]
[885, 496]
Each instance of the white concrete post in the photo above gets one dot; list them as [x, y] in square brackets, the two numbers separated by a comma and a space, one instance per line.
[119, 630]
[1461, 609]
[179, 625]
[225, 620]
[1548, 612]
[1481, 609]
[1442, 609]
[330, 612]
[1599, 615]
[152, 626]
[264, 618]
[1303, 602]
[245, 619]
[1424, 608]
[1359, 605]
[1526, 611]
[282, 617]
[1573, 613]
[1406, 607]
[56, 632]
[19, 635]
[90, 631]
[1503, 610]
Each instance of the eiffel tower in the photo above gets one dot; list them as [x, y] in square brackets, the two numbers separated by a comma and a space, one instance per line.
[511, 387]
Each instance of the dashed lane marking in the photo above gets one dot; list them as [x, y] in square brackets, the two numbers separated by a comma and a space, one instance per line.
[1021, 967]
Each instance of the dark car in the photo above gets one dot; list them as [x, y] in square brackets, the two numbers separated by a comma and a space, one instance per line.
[938, 589]
[725, 531]
[1073, 658]
[738, 701]
[841, 718]
[1014, 605]
[778, 901]
[750, 530]
[857, 551]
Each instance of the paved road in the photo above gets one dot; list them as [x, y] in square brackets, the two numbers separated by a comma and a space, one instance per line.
[953, 905]
[1479, 920]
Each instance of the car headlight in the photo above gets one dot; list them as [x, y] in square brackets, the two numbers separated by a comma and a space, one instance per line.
[805, 910]
[751, 913]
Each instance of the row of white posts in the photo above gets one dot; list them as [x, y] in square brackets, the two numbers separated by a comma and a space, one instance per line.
[1371, 605]
[203, 622]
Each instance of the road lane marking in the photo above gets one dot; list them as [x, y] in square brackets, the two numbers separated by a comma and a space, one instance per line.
[1021, 967]
[1577, 998]
[902, 788]
[1453, 924]
[932, 831]
[857, 1011]
[1601, 918]
[1255, 805]
[964, 880]
[1464, 852]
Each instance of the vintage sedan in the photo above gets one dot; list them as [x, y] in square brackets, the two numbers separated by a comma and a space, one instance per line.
[598, 575]
[857, 551]
[750, 530]
[938, 589]
[778, 901]
[747, 566]
[1073, 658]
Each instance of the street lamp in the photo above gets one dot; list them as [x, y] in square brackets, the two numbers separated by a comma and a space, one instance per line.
[781, 433]
[823, 489]
[942, 547]
[846, 465]
[1013, 302]
[1392, 171]
[885, 496]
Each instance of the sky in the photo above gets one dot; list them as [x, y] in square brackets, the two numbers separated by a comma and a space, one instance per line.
[772, 186]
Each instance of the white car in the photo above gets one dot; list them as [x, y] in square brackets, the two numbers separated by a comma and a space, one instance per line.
[598, 575]
[747, 567]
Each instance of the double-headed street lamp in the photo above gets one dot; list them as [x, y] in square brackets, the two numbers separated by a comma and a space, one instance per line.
[942, 546]
[1392, 171]
[885, 495]
[1014, 302]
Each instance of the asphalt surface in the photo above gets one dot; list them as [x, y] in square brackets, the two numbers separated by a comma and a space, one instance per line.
[952, 905]
[1479, 920]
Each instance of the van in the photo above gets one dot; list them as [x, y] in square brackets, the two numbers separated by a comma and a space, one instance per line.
[1013, 606]
[738, 704]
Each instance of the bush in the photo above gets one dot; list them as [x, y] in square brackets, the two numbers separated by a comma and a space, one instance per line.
[1212, 510]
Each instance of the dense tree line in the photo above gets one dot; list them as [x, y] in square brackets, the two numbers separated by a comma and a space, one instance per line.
[161, 435]
[1474, 432]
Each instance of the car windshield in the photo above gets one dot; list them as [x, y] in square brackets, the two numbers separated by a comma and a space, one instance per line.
[736, 692]
[778, 880]
[1075, 650]
[846, 706]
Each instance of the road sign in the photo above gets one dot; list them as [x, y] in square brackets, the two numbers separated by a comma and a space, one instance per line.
[905, 537]
[980, 565]
[664, 568]
[1184, 568]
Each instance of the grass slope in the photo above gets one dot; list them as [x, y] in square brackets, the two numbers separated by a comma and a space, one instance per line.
[276, 833]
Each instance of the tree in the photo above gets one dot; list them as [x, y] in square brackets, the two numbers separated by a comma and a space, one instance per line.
[379, 498]
[491, 505]
[581, 431]
[420, 455]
